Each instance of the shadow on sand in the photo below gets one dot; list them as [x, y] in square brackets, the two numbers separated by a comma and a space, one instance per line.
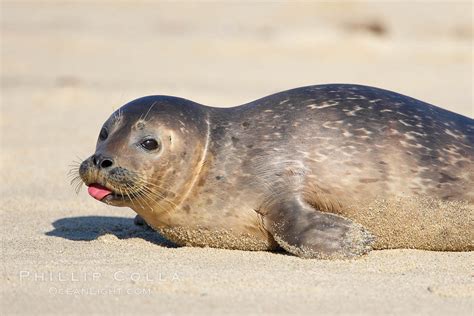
[92, 227]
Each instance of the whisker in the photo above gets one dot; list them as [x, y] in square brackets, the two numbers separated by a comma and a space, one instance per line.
[151, 107]
[158, 194]
[144, 200]
[123, 197]
[132, 194]
[152, 194]
[130, 198]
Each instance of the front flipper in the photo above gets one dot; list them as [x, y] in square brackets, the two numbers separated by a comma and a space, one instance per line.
[139, 221]
[301, 230]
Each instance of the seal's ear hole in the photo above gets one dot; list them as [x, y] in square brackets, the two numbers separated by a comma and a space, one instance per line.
[171, 137]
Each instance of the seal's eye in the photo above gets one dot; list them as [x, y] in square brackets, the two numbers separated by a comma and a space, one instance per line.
[103, 134]
[149, 144]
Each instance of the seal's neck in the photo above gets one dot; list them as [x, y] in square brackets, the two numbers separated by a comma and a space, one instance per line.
[197, 168]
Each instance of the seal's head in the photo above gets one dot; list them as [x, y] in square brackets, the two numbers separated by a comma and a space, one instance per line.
[145, 151]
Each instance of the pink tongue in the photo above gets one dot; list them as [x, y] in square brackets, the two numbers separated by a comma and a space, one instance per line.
[98, 192]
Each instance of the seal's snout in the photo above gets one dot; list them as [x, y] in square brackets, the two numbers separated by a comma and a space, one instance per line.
[107, 181]
[101, 161]
[97, 162]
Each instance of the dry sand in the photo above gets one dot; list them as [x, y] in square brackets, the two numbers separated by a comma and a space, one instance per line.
[65, 66]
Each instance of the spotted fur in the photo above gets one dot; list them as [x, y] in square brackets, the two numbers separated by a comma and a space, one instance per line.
[321, 171]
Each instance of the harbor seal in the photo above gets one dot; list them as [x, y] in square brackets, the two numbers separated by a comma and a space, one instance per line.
[326, 171]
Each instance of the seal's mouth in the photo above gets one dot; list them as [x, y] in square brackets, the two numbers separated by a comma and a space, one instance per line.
[117, 186]
[104, 194]
[98, 191]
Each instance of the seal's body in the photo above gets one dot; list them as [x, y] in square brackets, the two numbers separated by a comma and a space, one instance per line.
[321, 171]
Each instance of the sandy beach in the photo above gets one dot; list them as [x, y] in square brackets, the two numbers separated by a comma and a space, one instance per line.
[65, 66]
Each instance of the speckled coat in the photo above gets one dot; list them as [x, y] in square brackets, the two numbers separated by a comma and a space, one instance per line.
[322, 171]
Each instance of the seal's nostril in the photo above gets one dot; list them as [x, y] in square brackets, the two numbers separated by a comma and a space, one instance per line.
[101, 162]
[105, 163]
